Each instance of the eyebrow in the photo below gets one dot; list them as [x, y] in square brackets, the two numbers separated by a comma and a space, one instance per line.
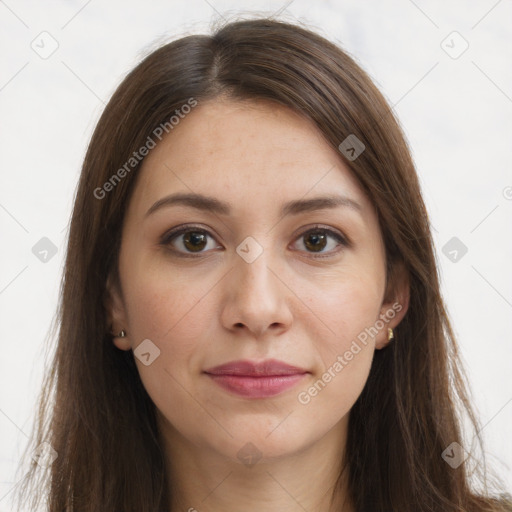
[211, 204]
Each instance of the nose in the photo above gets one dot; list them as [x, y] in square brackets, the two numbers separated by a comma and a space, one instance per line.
[256, 299]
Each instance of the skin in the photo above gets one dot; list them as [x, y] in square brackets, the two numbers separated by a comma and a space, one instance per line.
[216, 307]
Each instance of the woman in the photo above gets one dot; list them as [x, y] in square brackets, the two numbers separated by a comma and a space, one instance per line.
[250, 315]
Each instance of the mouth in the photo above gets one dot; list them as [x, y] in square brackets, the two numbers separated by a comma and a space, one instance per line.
[256, 379]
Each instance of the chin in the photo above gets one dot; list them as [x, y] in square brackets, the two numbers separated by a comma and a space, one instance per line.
[257, 443]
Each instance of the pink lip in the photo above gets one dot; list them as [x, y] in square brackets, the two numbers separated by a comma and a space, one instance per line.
[256, 380]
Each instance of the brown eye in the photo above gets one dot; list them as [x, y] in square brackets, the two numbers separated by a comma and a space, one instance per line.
[188, 240]
[322, 241]
[315, 241]
[194, 241]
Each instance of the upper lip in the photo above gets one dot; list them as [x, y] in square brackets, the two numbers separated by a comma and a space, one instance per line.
[269, 367]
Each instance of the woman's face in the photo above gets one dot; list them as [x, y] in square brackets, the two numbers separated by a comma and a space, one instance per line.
[265, 268]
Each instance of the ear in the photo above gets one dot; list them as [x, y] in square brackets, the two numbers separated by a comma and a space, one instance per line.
[116, 313]
[395, 304]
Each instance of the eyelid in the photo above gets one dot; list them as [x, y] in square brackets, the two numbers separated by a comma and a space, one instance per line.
[183, 229]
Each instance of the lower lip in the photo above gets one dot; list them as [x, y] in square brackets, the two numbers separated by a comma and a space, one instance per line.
[257, 387]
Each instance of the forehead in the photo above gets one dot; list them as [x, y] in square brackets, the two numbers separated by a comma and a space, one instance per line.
[247, 153]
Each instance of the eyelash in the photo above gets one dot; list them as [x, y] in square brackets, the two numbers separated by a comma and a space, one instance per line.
[175, 233]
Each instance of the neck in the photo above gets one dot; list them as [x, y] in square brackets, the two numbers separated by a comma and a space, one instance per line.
[203, 480]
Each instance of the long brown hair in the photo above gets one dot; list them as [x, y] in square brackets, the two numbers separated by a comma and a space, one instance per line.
[94, 411]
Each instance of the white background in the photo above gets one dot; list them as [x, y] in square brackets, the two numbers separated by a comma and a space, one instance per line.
[456, 114]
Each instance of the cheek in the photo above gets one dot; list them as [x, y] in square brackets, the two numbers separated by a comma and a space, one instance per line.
[164, 301]
[344, 357]
[344, 304]
[340, 329]
[176, 317]
[175, 312]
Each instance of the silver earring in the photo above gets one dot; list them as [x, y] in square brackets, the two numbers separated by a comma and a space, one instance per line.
[122, 334]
